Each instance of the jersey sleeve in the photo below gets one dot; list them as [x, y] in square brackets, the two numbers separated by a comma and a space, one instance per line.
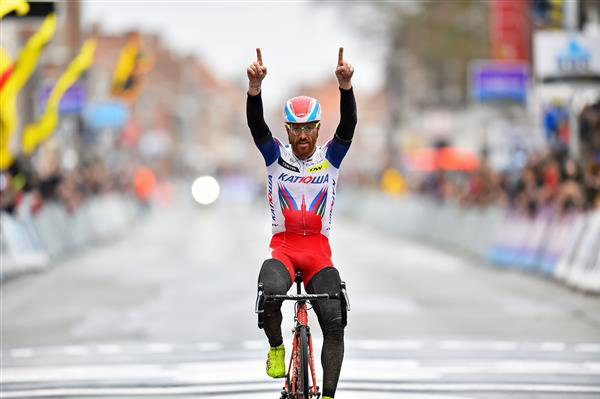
[266, 144]
[336, 151]
[270, 150]
[339, 145]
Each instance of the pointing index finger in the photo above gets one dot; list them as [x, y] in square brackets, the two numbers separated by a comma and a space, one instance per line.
[341, 57]
[259, 56]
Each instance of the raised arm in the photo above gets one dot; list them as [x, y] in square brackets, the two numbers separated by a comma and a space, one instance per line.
[254, 111]
[348, 119]
[345, 130]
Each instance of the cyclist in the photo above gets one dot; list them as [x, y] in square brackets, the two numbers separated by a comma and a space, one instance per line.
[301, 189]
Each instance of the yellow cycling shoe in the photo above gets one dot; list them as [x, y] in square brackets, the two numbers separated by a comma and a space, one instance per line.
[276, 362]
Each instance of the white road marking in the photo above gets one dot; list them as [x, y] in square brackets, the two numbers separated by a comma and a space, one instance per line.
[22, 352]
[261, 345]
[141, 391]
[253, 370]
[553, 346]
[109, 349]
[159, 347]
[209, 346]
[592, 366]
[267, 386]
[480, 387]
[75, 350]
[255, 345]
[587, 348]
[386, 345]
[503, 367]
[478, 345]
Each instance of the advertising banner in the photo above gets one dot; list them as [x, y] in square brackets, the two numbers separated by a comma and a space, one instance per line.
[499, 81]
[509, 28]
[72, 101]
[566, 55]
[110, 114]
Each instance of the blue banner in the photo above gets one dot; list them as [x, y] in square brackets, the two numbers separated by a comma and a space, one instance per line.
[500, 82]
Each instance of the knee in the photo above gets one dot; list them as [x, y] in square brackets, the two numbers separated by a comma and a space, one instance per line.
[274, 277]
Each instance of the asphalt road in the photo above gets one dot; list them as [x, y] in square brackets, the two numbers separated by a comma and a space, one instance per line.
[167, 311]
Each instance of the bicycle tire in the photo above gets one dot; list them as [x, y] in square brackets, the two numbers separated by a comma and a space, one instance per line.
[304, 372]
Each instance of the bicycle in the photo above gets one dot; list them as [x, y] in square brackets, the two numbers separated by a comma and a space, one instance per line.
[301, 359]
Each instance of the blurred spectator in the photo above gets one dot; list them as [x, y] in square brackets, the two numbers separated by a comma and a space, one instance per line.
[592, 186]
[589, 124]
[556, 124]
[24, 191]
[554, 182]
[144, 183]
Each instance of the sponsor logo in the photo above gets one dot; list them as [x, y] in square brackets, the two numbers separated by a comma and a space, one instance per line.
[332, 202]
[322, 166]
[288, 166]
[270, 196]
[303, 179]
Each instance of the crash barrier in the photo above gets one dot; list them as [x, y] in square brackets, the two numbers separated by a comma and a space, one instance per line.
[565, 247]
[33, 242]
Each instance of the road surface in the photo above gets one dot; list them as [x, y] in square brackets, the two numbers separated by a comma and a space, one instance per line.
[167, 311]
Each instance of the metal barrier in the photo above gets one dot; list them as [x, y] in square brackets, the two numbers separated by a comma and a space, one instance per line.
[32, 243]
[20, 247]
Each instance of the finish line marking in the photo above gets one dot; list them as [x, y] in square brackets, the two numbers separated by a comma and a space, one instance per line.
[211, 372]
[261, 345]
[271, 386]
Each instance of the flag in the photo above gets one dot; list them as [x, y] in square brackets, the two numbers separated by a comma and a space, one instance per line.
[36, 133]
[132, 64]
[23, 69]
[6, 67]
[7, 6]
[123, 73]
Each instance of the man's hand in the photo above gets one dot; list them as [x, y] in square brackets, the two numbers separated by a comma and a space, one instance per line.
[344, 71]
[256, 73]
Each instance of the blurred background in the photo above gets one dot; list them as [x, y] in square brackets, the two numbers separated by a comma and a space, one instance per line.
[131, 190]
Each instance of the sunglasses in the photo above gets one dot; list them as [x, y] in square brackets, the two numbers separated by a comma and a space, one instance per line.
[297, 128]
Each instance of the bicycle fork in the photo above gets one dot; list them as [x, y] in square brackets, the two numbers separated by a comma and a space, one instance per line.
[301, 321]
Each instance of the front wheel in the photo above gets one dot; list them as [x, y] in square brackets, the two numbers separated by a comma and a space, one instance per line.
[303, 371]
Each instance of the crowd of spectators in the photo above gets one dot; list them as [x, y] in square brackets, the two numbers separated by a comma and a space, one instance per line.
[25, 189]
[553, 181]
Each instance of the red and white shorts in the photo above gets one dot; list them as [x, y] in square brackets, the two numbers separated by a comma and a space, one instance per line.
[308, 254]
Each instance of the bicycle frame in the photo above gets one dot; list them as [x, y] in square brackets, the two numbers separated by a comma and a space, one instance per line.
[301, 319]
[301, 324]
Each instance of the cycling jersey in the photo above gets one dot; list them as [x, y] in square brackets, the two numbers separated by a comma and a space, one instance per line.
[301, 193]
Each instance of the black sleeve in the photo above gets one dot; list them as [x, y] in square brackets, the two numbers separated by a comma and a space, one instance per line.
[256, 121]
[348, 119]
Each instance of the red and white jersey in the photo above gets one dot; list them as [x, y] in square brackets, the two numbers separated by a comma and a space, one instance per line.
[301, 193]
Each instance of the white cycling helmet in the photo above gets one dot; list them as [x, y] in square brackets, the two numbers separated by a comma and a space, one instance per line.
[302, 109]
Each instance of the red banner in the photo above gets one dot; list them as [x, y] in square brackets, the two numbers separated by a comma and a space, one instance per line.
[510, 29]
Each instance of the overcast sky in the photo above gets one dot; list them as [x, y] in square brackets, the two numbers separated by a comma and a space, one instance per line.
[299, 40]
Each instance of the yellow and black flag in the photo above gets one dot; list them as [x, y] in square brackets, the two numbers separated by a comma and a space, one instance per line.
[19, 7]
[36, 133]
[20, 73]
[131, 65]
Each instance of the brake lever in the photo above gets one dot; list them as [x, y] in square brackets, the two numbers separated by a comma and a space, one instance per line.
[345, 294]
[260, 299]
